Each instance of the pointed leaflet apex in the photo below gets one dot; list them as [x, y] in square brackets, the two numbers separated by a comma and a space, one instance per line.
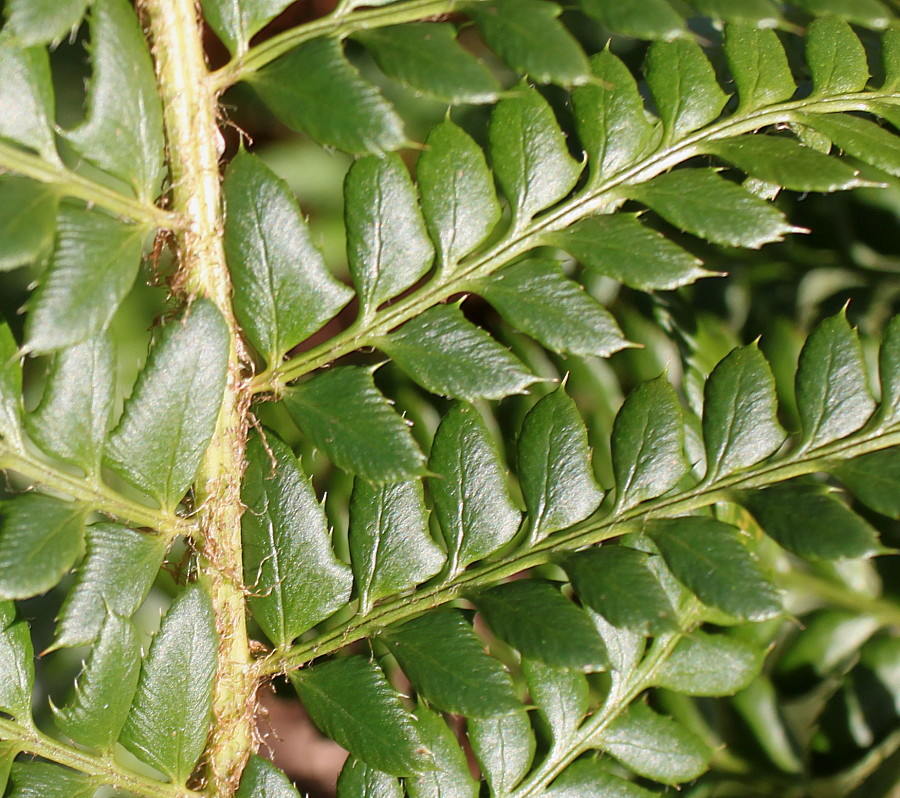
[388, 248]
[283, 291]
[470, 492]
[295, 578]
[347, 417]
[391, 549]
[684, 86]
[554, 465]
[170, 417]
[529, 154]
[458, 197]
[169, 720]
[833, 396]
[449, 356]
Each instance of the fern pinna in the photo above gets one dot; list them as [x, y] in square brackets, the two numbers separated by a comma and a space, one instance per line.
[558, 632]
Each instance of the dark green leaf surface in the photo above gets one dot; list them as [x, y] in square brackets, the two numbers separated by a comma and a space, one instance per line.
[350, 700]
[740, 423]
[16, 665]
[10, 389]
[346, 416]
[26, 94]
[889, 365]
[315, 89]
[96, 711]
[283, 291]
[684, 86]
[449, 356]
[391, 549]
[40, 538]
[562, 696]
[535, 297]
[470, 492]
[710, 665]
[42, 21]
[833, 395]
[458, 197]
[450, 777]
[27, 219]
[171, 415]
[836, 57]
[588, 778]
[388, 248]
[787, 163]
[648, 444]
[261, 779]
[170, 717]
[235, 22]
[865, 12]
[655, 746]
[643, 19]
[445, 661]
[124, 138]
[358, 780]
[625, 646]
[619, 246]
[612, 123]
[504, 746]
[758, 65]
[761, 12]
[890, 54]
[700, 202]
[295, 578]
[527, 35]
[45, 780]
[554, 466]
[529, 153]
[72, 420]
[809, 521]
[426, 58]
[115, 576]
[874, 479]
[534, 617]
[92, 269]
[862, 139]
[616, 582]
[710, 559]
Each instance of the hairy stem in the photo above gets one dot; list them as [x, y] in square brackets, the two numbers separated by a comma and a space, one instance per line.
[596, 529]
[103, 768]
[71, 184]
[189, 101]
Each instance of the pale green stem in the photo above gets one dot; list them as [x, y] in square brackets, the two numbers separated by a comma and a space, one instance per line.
[93, 494]
[885, 611]
[103, 768]
[74, 185]
[190, 108]
[587, 737]
[595, 198]
[588, 533]
[336, 24]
